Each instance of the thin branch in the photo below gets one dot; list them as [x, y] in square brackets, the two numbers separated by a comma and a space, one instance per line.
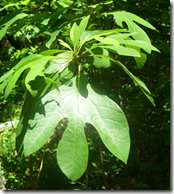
[86, 186]
[42, 5]
[26, 37]
[102, 164]
[41, 165]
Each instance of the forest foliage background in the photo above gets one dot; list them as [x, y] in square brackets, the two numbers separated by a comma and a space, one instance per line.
[148, 165]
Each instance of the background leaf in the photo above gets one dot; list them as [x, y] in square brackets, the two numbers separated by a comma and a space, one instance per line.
[11, 21]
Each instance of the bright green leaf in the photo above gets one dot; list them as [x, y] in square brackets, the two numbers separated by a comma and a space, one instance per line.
[35, 64]
[14, 4]
[51, 52]
[121, 50]
[96, 34]
[87, 34]
[129, 18]
[121, 37]
[85, 104]
[52, 38]
[58, 64]
[139, 43]
[36, 69]
[77, 31]
[107, 40]
[27, 109]
[140, 61]
[64, 44]
[4, 84]
[6, 75]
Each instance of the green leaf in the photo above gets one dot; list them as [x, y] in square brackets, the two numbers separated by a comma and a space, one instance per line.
[87, 34]
[129, 18]
[51, 52]
[85, 104]
[77, 31]
[68, 73]
[6, 75]
[64, 44]
[102, 3]
[52, 38]
[4, 84]
[121, 37]
[35, 64]
[29, 103]
[96, 34]
[107, 40]
[14, 4]
[98, 61]
[58, 64]
[140, 83]
[17, 67]
[121, 50]
[140, 61]
[136, 80]
[36, 69]
[11, 21]
[139, 43]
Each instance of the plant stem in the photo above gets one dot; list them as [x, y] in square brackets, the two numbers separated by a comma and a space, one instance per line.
[86, 179]
[102, 164]
[26, 37]
[41, 165]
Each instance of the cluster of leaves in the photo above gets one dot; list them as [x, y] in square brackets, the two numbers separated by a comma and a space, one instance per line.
[87, 102]
[43, 72]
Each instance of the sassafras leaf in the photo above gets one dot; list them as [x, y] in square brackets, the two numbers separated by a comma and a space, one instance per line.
[85, 105]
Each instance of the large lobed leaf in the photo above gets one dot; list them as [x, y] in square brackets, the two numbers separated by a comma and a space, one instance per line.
[129, 47]
[85, 105]
[35, 64]
[27, 109]
[130, 19]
